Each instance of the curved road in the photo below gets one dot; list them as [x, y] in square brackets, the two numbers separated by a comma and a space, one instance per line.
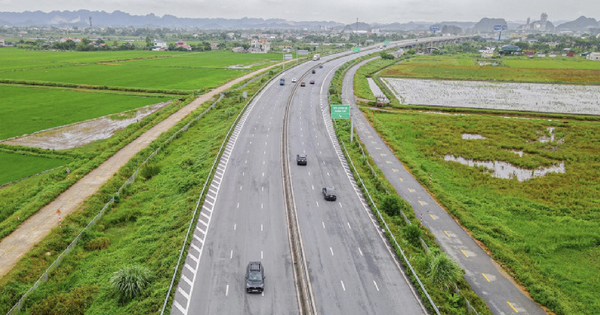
[485, 276]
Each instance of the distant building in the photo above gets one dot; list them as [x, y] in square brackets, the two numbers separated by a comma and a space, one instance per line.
[593, 56]
[214, 46]
[183, 45]
[2, 42]
[159, 45]
[238, 50]
[510, 50]
[259, 45]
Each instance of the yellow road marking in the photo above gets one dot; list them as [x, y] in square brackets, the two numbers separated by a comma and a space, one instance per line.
[70, 198]
[377, 148]
[431, 215]
[447, 234]
[33, 228]
[401, 179]
[6, 251]
[370, 137]
[394, 170]
[51, 214]
[412, 190]
[388, 162]
[486, 278]
[382, 154]
[464, 253]
[514, 309]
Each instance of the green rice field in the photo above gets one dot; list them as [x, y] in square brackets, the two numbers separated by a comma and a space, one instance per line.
[25, 165]
[26, 109]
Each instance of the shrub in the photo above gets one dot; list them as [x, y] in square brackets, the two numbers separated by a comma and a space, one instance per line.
[130, 281]
[391, 205]
[442, 270]
[98, 243]
[76, 302]
[148, 171]
[412, 233]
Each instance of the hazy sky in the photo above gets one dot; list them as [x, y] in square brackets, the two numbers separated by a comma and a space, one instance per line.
[344, 11]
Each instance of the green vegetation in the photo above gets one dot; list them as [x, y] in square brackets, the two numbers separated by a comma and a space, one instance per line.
[465, 67]
[407, 235]
[545, 231]
[145, 227]
[130, 281]
[17, 166]
[25, 110]
[361, 85]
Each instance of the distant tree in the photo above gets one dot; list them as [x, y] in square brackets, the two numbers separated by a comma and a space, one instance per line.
[149, 42]
[522, 45]
[386, 56]
[391, 205]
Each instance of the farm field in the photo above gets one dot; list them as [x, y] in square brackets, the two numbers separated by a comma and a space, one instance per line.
[26, 109]
[464, 67]
[533, 97]
[16, 166]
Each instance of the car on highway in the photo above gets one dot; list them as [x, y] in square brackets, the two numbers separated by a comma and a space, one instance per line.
[321, 66]
[329, 193]
[301, 159]
[255, 277]
[294, 80]
[313, 72]
[302, 84]
[312, 82]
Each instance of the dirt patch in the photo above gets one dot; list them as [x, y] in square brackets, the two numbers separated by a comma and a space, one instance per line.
[81, 133]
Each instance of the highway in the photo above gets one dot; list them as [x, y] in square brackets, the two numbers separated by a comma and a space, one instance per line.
[243, 219]
[484, 275]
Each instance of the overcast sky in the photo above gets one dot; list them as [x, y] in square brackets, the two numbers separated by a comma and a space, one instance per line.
[344, 11]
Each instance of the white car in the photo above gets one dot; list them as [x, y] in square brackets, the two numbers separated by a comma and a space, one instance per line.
[294, 80]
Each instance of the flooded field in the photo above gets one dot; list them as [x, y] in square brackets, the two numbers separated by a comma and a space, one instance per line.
[506, 170]
[549, 98]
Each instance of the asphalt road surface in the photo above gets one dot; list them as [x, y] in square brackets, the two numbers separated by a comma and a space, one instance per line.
[351, 269]
[485, 276]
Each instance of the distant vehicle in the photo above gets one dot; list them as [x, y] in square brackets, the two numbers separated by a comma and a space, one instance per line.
[301, 159]
[316, 57]
[329, 193]
[255, 277]
[302, 84]
[312, 82]
[321, 66]
[294, 80]
[281, 81]
[313, 72]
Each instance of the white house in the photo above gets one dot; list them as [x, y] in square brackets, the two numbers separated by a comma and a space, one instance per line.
[2, 41]
[594, 56]
[159, 45]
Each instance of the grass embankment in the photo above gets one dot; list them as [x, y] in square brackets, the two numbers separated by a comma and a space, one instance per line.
[146, 226]
[361, 85]
[448, 301]
[465, 67]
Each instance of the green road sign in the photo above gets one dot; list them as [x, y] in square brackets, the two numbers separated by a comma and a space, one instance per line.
[356, 49]
[340, 111]
[386, 42]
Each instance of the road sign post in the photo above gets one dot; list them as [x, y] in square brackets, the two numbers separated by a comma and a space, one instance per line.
[59, 224]
[343, 112]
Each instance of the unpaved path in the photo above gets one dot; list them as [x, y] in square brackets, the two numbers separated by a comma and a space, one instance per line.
[36, 227]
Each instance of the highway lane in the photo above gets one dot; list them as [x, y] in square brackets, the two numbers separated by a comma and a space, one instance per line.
[243, 219]
[482, 273]
[351, 268]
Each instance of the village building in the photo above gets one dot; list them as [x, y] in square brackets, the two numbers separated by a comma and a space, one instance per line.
[159, 45]
[593, 56]
[238, 50]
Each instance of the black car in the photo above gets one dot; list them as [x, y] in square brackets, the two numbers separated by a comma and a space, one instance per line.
[301, 159]
[314, 71]
[321, 66]
[329, 193]
[255, 277]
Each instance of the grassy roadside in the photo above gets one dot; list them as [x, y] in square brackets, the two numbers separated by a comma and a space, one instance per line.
[447, 300]
[146, 226]
[543, 231]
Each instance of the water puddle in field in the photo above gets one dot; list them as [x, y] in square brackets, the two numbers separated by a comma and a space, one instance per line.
[520, 153]
[544, 139]
[469, 136]
[500, 169]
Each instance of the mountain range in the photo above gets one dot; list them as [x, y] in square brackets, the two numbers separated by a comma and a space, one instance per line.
[82, 18]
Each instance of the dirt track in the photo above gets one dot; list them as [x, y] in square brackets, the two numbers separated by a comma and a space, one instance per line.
[36, 227]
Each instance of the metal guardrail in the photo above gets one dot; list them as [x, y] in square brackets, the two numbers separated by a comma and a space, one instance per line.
[469, 307]
[44, 277]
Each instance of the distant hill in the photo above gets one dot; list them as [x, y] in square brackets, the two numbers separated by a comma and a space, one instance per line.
[581, 24]
[487, 25]
[80, 18]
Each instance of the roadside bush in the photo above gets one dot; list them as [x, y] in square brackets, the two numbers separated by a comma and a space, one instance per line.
[412, 233]
[73, 303]
[98, 243]
[391, 205]
[149, 171]
[442, 270]
[130, 281]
